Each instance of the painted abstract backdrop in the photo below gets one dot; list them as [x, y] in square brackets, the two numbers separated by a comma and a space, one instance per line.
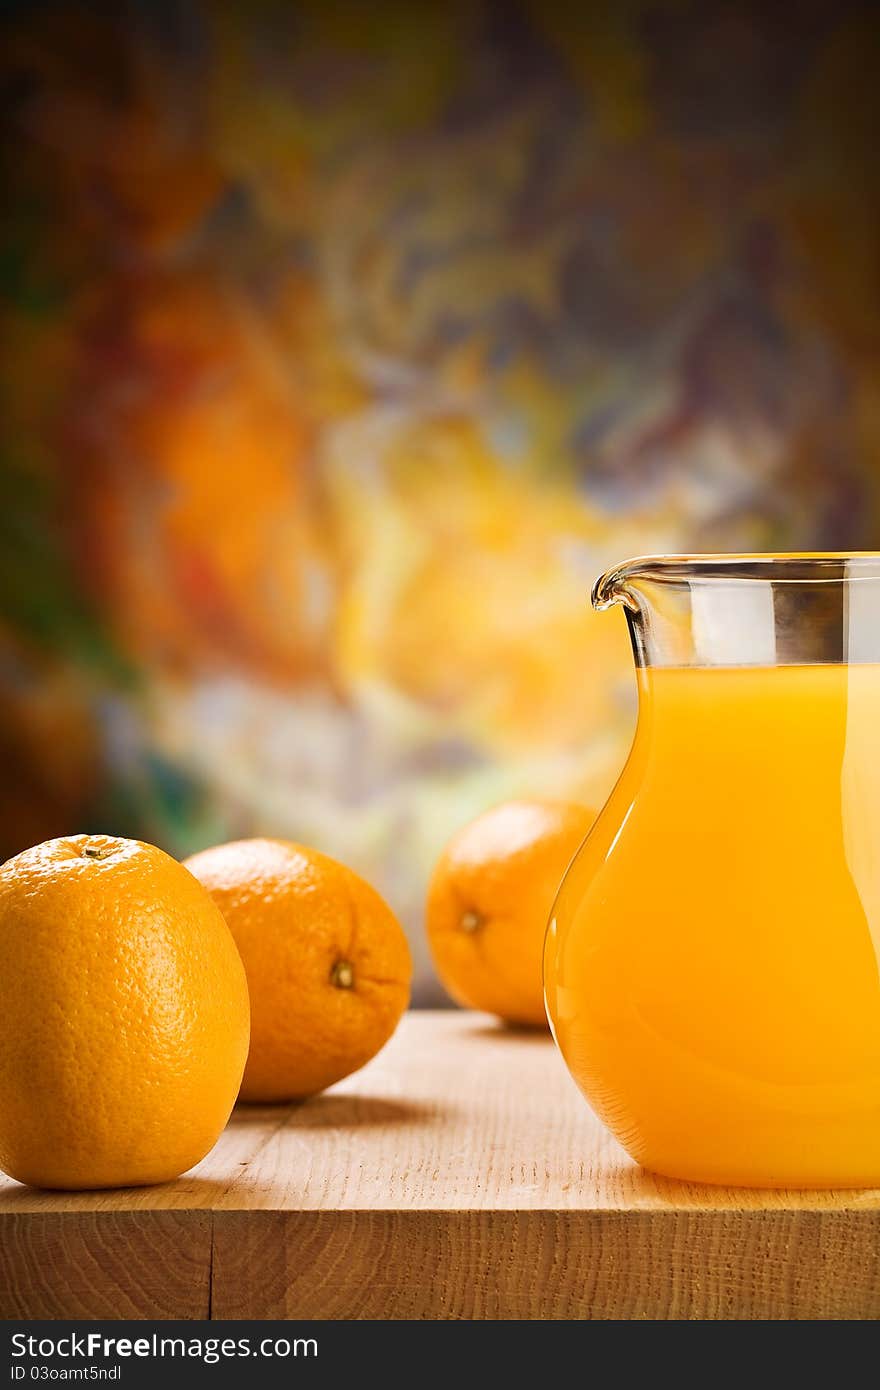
[343, 346]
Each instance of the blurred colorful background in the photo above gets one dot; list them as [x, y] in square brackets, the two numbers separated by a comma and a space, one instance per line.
[344, 345]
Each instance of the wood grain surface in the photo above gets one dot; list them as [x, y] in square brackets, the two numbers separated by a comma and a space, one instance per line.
[459, 1175]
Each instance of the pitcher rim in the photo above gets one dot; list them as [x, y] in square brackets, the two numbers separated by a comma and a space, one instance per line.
[780, 567]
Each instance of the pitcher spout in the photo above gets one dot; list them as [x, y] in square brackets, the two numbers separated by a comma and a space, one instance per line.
[614, 586]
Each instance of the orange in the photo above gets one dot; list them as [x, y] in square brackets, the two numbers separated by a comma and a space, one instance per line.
[327, 962]
[489, 900]
[123, 1015]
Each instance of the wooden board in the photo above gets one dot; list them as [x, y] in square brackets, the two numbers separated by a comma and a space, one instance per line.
[459, 1175]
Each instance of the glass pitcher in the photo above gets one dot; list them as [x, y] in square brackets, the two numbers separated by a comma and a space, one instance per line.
[711, 963]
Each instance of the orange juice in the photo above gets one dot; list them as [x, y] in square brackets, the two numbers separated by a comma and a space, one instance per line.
[711, 965]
